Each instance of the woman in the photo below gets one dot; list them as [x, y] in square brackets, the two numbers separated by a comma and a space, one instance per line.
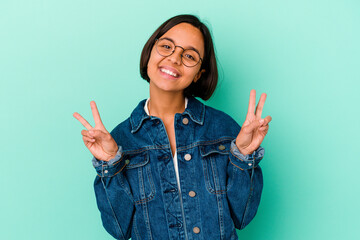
[177, 169]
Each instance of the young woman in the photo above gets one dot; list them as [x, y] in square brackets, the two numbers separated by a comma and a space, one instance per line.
[177, 169]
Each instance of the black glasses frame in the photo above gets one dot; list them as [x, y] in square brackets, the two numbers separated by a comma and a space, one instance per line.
[157, 40]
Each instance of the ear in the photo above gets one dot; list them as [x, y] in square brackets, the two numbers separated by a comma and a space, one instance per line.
[198, 75]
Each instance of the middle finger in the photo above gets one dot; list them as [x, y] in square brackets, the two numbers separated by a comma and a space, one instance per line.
[95, 113]
[260, 106]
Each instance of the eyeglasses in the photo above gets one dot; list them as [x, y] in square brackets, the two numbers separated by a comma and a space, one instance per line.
[189, 57]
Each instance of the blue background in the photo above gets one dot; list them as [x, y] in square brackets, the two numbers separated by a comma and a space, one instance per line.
[57, 56]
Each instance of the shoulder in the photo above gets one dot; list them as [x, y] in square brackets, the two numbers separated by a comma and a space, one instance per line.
[121, 129]
[125, 128]
[220, 122]
[217, 115]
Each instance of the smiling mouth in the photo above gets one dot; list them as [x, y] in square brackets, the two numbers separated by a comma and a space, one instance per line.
[167, 71]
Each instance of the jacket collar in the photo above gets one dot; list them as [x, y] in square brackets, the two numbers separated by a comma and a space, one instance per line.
[195, 109]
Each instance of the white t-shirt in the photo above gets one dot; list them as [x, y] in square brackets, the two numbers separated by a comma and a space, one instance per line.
[175, 155]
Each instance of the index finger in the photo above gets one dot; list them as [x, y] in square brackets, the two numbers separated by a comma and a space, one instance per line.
[95, 113]
[82, 121]
[252, 100]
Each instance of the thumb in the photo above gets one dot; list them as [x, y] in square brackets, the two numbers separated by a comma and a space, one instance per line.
[255, 124]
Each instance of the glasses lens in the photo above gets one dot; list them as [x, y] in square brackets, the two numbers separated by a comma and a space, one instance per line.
[190, 58]
[165, 47]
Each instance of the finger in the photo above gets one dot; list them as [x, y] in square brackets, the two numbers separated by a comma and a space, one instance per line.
[252, 126]
[263, 132]
[260, 105]
[263, 128]
[97, 134]
[87, 139]
[82, 120]
[95, 113]
[252, 101]
[267, 119]
[86, 133]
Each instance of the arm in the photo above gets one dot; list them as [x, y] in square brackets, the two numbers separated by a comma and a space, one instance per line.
[112, 190]
[113, 196]
[245, 176]
[245, 185]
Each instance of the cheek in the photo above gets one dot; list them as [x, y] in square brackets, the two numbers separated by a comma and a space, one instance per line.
[194, 72]
[151, 66]
[154, 60]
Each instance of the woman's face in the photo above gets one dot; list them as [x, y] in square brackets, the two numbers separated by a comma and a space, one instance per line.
[161, 69]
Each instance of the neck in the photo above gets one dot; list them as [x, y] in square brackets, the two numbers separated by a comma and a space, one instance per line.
[166, 104]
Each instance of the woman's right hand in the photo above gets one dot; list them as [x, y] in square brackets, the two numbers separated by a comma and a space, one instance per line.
[97, 139]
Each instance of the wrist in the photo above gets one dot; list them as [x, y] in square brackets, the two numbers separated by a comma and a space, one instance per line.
[113, 154]
[244, 152]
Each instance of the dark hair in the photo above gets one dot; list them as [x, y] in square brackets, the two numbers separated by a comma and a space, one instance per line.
[206, 84]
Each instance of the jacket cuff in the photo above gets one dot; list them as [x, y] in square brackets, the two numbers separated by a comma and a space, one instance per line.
[111, 167]
[245, 161]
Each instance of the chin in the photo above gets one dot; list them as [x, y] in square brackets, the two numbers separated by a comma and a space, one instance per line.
[162, 86]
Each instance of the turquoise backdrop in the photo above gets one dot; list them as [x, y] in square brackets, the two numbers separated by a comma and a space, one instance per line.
[57, 56]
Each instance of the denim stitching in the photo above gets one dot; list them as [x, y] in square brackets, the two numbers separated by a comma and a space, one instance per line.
[119, 230]
[205, 172]
[179, 149]
[142, 195]
[152, 193]
[199, 143]
[236, 165]
[249, 198]
[147, 220]
[218, 197]
[135, 228]
[120, 181]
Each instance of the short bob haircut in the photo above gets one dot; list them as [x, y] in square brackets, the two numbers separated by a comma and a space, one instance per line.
[206, 84]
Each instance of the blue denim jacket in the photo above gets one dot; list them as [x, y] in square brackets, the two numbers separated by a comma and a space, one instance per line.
[137, 192]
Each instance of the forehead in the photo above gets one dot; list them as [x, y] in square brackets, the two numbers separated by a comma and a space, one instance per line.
[186, 36]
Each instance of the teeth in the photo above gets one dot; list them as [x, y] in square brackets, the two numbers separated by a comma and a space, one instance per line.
[169, 72]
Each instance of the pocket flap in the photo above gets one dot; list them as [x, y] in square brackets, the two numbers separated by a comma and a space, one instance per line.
[222, 147]
[136, 160]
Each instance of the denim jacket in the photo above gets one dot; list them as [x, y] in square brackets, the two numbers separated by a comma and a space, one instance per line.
[137, 192]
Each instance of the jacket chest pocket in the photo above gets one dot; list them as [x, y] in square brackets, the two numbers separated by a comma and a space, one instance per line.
[214, 158]
[139, 175]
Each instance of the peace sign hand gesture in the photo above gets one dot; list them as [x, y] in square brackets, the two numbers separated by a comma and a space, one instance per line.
[97, 139]
[254, 128]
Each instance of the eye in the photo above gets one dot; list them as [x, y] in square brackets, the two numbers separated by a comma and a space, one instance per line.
[189, 56]
[166, 46]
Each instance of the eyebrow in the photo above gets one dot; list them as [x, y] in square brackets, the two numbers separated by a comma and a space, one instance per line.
[189, 47]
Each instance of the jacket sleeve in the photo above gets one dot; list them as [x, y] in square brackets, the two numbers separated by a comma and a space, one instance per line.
[245, 185]
[113, 196]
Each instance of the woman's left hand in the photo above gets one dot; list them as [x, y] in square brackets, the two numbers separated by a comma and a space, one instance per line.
[254, 128]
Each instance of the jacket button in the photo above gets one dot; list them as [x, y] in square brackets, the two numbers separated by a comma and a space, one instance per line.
[127, 161]
[106, 171]
[187, 157]
[221, 147]
[192, 194]
[196, 230]
[185, 121]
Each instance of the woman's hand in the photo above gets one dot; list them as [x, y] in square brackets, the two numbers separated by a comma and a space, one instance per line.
[254, 128]
[99, 141]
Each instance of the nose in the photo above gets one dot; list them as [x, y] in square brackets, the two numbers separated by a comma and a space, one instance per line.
[175, 57]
